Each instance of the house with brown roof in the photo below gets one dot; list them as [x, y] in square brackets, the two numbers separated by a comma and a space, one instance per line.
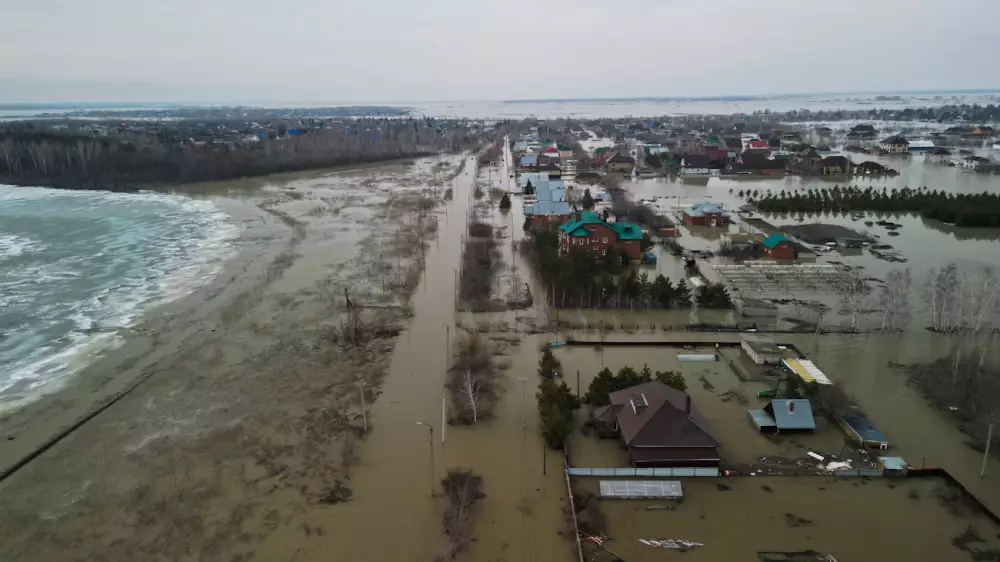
[659, 425]
[619, 162]
[834, 165]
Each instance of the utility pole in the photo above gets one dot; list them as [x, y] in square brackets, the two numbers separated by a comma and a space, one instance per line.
[989, 439]
[430, 440]
[444, 415]
[524, 419]
[364, 409]
[578, 385]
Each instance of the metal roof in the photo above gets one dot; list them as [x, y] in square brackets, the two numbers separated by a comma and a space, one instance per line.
[773, 240]
[641, 489]
[700, 209]
[548, 208]
[762, 418]
[807, 371]
[893, 463]
[793, 414]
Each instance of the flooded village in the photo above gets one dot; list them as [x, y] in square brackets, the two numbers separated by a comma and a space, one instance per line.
[704, 338]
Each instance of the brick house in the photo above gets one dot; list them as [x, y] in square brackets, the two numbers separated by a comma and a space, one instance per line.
[587, 231]
[779, 247]
[705, 214]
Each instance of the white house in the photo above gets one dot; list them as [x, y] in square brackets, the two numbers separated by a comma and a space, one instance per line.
[894, 145]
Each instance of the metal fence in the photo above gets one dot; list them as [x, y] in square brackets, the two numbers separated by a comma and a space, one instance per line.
[630, 471]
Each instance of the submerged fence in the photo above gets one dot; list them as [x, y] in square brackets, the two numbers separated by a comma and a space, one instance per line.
[630, 471]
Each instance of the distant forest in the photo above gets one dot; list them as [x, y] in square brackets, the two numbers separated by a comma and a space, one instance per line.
[942, 114]
[30, 156]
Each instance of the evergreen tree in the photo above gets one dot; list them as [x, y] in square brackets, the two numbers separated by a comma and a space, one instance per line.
[505, 202]
[682, 294]
[548, 365]
[588, 200]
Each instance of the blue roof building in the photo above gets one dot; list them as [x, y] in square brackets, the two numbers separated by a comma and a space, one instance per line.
[773, 240]
[529, 160]
[548, 208]
[794, 415]
[551, 190]
[702, 209]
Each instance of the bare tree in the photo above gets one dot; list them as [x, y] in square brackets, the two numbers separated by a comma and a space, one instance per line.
[894, 299]
[983, 297]
[942, 288]
[470, 390]
[854, 293]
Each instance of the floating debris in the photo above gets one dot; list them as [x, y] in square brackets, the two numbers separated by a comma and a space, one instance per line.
[675, 544]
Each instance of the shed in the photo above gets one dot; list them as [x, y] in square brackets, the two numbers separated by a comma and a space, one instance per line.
[761, 349]
[861, 429]
[641, 489]
[807, 371]
[850, 242]
[784, 416]
[893, 466]
[649, 258]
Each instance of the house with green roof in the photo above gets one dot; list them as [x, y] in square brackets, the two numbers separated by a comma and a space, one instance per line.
[777, 246]
[587, 231]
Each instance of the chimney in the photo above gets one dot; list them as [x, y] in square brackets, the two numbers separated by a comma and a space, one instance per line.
[687, 404]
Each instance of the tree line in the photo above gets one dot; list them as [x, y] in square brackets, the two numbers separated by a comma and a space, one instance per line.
[961, 209]
[29, 157]
[606, 382]
[578, 279]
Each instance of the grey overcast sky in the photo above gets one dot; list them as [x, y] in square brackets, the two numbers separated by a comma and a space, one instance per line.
[408, 50]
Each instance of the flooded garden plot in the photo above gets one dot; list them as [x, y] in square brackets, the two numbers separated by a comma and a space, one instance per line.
[723, 399]
[729, 519]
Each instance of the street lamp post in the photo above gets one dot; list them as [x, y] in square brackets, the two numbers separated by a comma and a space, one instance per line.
[430, 440]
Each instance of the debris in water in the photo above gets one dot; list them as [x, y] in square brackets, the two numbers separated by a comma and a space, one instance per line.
[969, 536]
[338, 493]
[838, 465]
[663, 507]
[723, 488]
[675, 544]
[767, 488]
[793, 521]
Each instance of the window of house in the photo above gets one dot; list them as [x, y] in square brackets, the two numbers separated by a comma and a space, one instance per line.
[604, 252]
[595, 248]
[574, 242]
[604, 240]
[594, 240]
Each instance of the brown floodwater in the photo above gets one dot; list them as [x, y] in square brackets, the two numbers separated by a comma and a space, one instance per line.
[854, 519]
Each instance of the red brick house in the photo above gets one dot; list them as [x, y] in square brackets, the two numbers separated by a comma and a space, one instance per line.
[588, 232]
[779, 247]
[705, 214]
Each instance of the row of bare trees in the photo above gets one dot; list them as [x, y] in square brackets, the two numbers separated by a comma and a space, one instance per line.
[961, 300]
[124, 163]
[952, 299]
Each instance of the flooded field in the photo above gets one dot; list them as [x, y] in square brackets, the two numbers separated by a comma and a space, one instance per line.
[852, 518]
[280, 423]
[923, 244]
[244, 431]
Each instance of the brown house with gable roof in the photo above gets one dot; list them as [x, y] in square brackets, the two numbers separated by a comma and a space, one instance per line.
[659, 426]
